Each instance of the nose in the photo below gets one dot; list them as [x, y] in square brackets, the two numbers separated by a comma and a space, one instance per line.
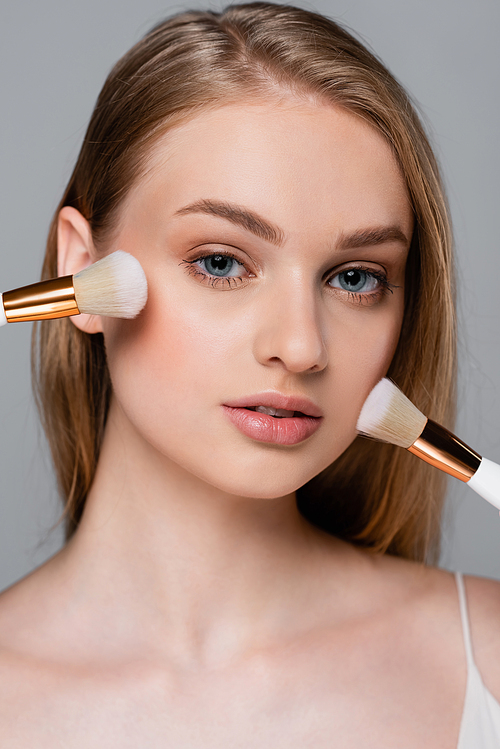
[290, 332]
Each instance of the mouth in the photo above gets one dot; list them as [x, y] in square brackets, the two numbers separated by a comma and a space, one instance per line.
[278, 405]
[275, 418]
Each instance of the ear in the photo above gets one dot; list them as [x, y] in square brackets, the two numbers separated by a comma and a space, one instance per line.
[76, 251]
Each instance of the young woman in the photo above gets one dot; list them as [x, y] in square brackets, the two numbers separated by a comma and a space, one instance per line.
[241, 570]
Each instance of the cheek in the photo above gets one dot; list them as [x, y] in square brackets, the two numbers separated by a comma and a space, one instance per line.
[172, 359]
[362, 349]
[375, 351]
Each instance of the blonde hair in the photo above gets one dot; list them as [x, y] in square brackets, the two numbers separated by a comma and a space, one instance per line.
[374, 495]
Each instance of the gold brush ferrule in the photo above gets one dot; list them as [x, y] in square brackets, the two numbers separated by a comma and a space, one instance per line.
[45, 300]
[439, 447]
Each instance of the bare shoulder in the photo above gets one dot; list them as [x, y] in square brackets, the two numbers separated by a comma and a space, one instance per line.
[28, 627]
[22, 606]
[34, 679]
[419, 584]
[438, 588]
[483, 599]
[436, 593]
[483, 603]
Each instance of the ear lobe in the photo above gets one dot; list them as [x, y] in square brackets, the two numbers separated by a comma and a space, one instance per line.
[76, 251]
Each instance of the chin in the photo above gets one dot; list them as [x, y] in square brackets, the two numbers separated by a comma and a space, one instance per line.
[264, 479]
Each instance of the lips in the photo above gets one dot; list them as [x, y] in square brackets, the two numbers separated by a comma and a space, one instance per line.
[274, 418]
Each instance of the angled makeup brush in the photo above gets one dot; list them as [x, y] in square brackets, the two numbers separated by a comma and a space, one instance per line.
[114, 287]
[389, 416]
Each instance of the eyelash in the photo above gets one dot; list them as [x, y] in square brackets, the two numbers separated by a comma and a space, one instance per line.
[371, 297]
[232, 282]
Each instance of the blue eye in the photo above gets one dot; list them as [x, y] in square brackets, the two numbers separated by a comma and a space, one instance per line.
[222, 266]
[355, 280]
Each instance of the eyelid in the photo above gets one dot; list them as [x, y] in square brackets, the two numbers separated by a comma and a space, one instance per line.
[366, 265]
[360, 297]
[226, 282]
[380, 272]
[224, 254]
[206, 249]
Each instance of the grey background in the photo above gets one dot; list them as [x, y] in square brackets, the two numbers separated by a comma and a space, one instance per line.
[54, 57]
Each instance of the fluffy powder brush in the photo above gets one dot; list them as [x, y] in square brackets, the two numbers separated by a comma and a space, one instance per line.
[389, 416]
[114, 287]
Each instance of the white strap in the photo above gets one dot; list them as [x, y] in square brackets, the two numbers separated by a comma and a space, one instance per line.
[462, 600]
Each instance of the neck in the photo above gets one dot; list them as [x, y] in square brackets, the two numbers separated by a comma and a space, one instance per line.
[216, 569]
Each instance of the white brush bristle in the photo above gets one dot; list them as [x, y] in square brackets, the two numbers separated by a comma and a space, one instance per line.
[114, 287]
[389, 416]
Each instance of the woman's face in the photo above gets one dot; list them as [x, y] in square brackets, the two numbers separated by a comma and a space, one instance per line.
[274, 238]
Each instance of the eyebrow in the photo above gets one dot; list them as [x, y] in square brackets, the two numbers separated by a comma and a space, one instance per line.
[262, 228]
[237, 215]
[372, 237]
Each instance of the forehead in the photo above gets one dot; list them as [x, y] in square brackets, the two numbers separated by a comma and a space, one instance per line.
[303, 165]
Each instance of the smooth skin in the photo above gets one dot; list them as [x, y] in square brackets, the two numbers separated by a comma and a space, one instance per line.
[195, 607]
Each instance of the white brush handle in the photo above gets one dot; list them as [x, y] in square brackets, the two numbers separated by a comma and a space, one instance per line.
[3, 319]
[486, 482]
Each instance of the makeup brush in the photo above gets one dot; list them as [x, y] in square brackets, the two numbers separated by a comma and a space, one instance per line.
[389, 416]
[114, 287]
